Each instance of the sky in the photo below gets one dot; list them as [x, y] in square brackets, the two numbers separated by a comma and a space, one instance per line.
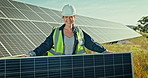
[126, 12]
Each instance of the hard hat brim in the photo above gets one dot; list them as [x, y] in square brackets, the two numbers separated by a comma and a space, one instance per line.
[68, 15]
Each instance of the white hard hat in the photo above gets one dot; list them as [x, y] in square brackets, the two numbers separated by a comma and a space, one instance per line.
[68, 10]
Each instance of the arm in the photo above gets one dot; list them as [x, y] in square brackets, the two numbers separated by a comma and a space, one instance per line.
[44, 47]
[91, 45]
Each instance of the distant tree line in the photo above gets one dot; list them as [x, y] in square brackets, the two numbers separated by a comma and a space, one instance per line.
[142, 25]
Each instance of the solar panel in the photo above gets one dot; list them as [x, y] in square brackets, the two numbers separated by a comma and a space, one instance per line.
[1, 14]
[114, 65]
[25, 26]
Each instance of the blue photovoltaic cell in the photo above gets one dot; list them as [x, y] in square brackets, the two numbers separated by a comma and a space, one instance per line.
[2, 68]
[114, 65]
[12, 68]
[27, 67]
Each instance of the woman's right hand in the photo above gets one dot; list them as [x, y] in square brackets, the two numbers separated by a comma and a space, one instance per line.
[25, 55]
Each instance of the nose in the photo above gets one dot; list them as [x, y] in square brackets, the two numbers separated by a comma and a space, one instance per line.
[68, 19]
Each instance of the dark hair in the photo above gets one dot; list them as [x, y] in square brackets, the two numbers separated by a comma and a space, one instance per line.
[63, 16]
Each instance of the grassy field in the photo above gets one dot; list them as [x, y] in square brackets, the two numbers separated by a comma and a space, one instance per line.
[139, 48]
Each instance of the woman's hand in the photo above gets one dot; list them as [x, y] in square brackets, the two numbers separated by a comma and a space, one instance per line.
[107, 51]
[25, 55]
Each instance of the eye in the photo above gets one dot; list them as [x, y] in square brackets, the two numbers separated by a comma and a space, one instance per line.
[71, 16]
[65, 16]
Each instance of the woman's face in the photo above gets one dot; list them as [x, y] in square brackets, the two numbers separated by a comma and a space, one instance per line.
[69, 20]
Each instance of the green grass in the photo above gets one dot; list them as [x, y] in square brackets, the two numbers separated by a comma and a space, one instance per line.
[139, 49]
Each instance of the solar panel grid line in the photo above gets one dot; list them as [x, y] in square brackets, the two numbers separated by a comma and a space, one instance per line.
[26, 47]
[104, 66]
[5, 3]
[55, 25]
[24, 3]
[91, 22]
[35, 12]
[18, 28]
[72, 67]
[34, 68]
[6, 49]
[29, 20]
[2, 14]
[93, 26]
[60, 68]
[132, 65]
[20, 68]
[94, 21]
[94, 37]
[18, 10]
[48, 14]
[46, 17]
[26, 25]
[113, 66]
[22, 33]
[20, 5]
[122, 64]
[45, 27]
[94, 66]
[1, 54]
[12, 37]
[81, 21]
[85, 19]
[5, 68]
[97, 35]
[51, 14]
[25, 20]
[38, 28]
[9, 45]
[78, 22]
[12, 13]
[15, 36]
[48, 68]
[34, 24]
[35, 8]
[60, 16]
[35, 38]
[31, 15]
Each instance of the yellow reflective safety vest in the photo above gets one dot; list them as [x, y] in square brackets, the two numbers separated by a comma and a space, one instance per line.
[58, 44]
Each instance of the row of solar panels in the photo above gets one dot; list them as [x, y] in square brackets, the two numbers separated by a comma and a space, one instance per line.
[24, 27]
[18, 10]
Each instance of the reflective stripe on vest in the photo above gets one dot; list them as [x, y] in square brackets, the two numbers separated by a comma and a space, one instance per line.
[58, 45]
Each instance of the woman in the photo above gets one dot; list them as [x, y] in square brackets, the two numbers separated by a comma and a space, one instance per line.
[67, 39]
